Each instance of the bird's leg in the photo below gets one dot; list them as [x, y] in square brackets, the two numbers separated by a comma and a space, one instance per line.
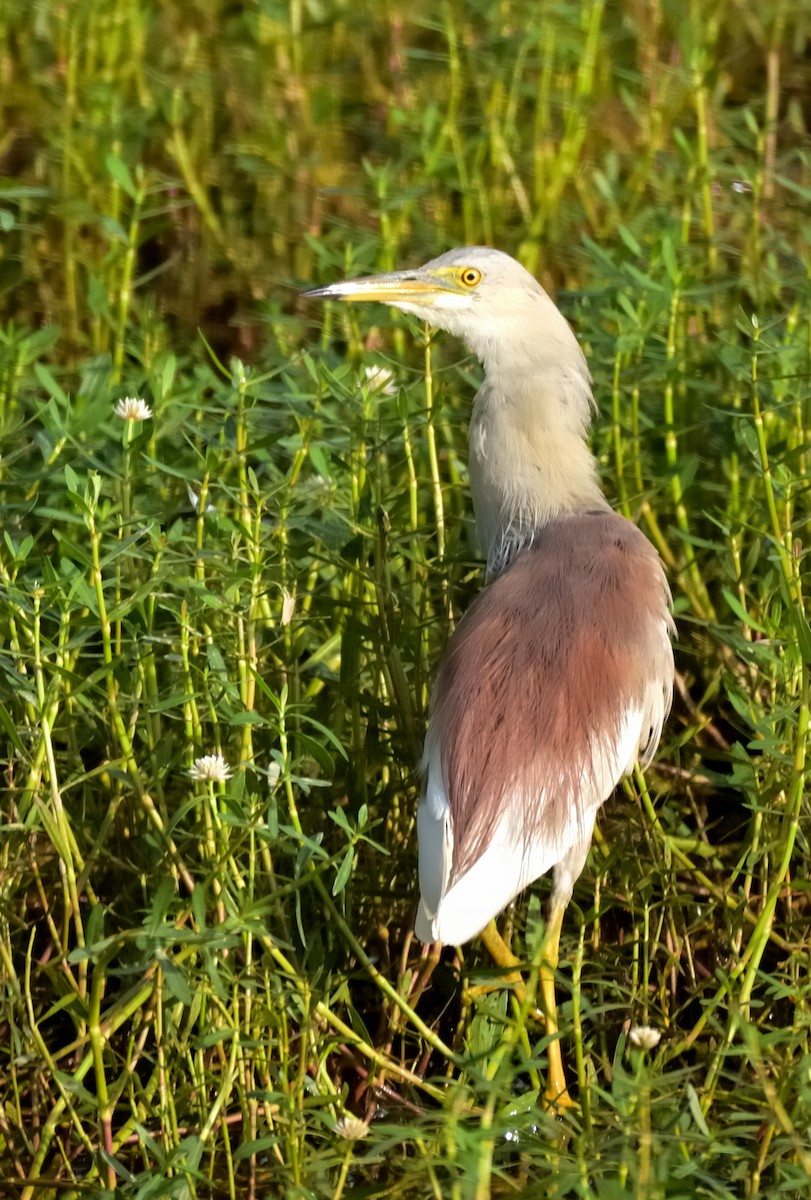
[503, 957]
[556, 1092]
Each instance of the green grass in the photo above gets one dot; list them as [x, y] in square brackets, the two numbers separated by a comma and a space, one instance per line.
[200, 980]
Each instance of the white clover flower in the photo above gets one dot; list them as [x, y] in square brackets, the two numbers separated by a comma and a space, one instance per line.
[351, 1128]
[211, 768]
[132, 408]
[380, 379]
[644, 1036]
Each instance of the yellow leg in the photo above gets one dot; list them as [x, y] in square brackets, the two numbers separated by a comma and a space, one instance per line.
[556, 1093]
[503, 957]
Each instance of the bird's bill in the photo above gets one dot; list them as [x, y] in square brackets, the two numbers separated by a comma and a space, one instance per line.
[399, 287]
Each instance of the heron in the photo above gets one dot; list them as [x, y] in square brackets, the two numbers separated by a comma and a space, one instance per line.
[559, 677]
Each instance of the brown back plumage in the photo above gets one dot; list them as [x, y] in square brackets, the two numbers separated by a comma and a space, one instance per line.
[541, 671]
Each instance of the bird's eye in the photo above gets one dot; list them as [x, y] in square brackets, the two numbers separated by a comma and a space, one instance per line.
[471, 277]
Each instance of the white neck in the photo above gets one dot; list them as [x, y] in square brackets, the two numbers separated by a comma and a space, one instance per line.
[529, 461]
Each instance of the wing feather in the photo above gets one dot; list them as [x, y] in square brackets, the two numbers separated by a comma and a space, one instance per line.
[557, 678]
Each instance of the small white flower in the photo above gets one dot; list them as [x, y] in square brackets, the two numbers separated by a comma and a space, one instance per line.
[274, 775]
[644, 1036]
[211, 768]
[288, 608]
[380, 379]
[351, 1128]
[132, 408]
[194, 500]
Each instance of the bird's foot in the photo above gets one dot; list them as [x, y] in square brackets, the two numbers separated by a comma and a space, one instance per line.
[556, 1098]
[556, 1094]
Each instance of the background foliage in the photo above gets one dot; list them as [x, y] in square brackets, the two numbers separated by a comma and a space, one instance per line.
[202, 981]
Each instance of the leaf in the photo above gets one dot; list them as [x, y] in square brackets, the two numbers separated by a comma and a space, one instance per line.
[97, 299]
[114, 230]
[121, 174]
[94, 929]
[339, 817]
[162, 902]
[215, 659]
[272, 817]
[630, 241]
[669, 258]
[175, 979]
[319, 460]
[309, 847]
[402, 404]
[746, 436]
[627, 307]
[299, 919]
[328, 734]
[247, 718]
[11, 730]
[803, 634]
[740, 612]
[344, 871]
[694, 1104]
[600, 254]
[49, 383]
[175, 700]
[198, 904]
[72, 481]
[168, 374]
[316, 750]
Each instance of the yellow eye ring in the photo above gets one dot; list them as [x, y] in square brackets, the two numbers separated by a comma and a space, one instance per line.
[470, 276]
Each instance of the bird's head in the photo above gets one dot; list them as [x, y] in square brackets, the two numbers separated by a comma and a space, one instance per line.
[532, 412]
[479, 294]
